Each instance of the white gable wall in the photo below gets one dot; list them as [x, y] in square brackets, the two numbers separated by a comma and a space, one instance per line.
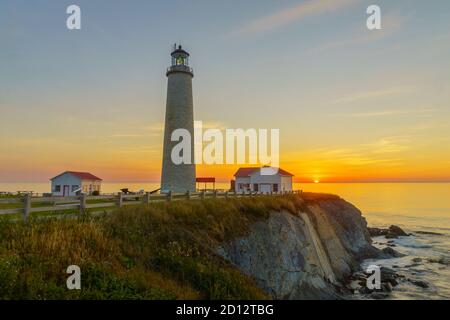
[66, 180]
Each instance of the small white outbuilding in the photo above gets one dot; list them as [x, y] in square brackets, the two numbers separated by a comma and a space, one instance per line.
[71, 183]
[262, 180]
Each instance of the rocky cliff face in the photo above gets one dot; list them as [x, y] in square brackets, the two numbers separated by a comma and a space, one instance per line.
[307, 255]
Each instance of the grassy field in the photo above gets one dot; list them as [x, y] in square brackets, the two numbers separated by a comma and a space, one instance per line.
[164, 251]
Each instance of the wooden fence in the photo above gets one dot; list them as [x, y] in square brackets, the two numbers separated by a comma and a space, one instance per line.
[50, 206]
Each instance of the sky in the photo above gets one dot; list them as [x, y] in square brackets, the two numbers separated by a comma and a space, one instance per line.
[352, 105]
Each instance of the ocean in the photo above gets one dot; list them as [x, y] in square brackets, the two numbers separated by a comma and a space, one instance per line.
[423, 207]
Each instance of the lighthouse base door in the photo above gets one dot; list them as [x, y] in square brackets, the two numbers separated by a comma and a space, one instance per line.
[265, 188]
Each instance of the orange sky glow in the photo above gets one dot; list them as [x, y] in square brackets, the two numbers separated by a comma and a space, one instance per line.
[352, 105]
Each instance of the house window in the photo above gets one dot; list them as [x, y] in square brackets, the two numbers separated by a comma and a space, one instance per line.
[275, 187]
[58, 188]
[255, 187]
[244, 186]
[74, 188]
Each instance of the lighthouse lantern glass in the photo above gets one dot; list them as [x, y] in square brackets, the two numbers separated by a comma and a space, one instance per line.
[180, 61]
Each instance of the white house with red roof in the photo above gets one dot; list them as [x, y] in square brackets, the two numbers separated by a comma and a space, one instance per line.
[71, 183]
[262, 180]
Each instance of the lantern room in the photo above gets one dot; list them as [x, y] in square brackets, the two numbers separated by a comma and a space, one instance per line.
[180, 57]
[180, 61]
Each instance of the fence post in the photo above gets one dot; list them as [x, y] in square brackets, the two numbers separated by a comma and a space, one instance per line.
[169, 196]
[202, 195]
[226, 194]
[27, 207]
[82, 204]
[215, 193]
[146, 199]
[188, 195]
[120, 199]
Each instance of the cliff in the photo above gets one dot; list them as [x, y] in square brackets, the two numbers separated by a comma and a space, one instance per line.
[307, 255]
[282, 247]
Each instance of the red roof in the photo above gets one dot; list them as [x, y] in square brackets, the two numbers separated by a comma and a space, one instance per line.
[246, 172]
[80, 175]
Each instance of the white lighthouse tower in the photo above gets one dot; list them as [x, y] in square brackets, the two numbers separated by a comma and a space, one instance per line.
[178, 178]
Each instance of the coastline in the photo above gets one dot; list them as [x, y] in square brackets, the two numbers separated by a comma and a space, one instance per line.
[425, 214]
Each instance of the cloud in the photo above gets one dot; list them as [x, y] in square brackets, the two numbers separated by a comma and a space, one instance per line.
[139, 149]
[372, 94]
[157, 127]
[390, 23]
[126, 135]
[213, 125]
[390, 113]
[386, 151]
[296, 13]
[388, 145]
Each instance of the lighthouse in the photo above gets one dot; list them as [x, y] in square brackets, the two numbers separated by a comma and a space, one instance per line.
[178, 178]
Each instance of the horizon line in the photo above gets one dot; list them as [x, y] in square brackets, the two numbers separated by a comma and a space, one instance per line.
[302, 181]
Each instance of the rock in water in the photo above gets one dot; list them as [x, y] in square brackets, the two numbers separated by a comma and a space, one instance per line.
[391, 236]
[391, 233]
[376, 232]
[389, 275]
[441, 260]
[420, 283]
[379, 295]
[387, 287]
[430, 233]
[397, 231]
[392, 253]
